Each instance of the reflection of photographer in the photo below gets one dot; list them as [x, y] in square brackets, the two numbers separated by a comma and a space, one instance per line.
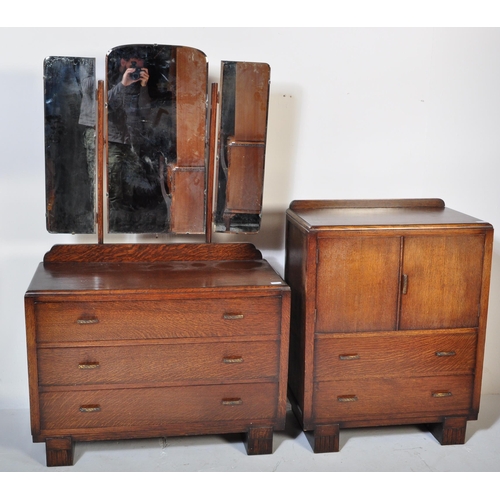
[128, 100]
[137, 71]
[128, 111]
[137, 144]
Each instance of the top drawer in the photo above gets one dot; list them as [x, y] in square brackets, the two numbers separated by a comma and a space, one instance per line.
[125, 320]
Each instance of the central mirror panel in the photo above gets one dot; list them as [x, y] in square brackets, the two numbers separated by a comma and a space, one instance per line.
[157, 139]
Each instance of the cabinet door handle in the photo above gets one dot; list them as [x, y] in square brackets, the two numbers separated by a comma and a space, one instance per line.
[92, 365]
[348, 357]
[232, 359]
[443, 354]
[90, 408]
[347, 399]
[233, 316]
[442, 394]
[404, 284]
[87, 321]
[232, 401]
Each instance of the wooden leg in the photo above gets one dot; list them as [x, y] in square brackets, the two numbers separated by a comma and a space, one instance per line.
[59, 451]
[450, 431]
[260, 441]
[326, 438]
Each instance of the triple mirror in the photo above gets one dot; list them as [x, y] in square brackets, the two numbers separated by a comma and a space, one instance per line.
[157, 140]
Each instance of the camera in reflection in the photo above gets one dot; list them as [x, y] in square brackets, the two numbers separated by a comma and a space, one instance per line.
[137, 71]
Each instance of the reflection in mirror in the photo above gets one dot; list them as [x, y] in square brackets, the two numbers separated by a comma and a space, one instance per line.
[70, 144]
[242, 142]
[157, 107]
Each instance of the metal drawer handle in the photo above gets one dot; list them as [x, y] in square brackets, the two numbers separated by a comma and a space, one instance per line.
[443, 394]
[232, 359]
[89, 366]
[233, 316]
[89, 321]
[347, 357]
[90, 408]
[443, 354]
[347, 399]
[404, 289]
[232, 401]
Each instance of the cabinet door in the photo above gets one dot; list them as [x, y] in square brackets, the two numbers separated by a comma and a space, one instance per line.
[357, 284]
[443, 277]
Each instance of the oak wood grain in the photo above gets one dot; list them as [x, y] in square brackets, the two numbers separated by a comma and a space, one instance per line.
[151, 407]
[395, 355]
[134, 341]
[163, 364]
[390, 314]
[114, 253]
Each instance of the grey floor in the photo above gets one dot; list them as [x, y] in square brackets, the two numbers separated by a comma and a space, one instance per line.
[390, 449]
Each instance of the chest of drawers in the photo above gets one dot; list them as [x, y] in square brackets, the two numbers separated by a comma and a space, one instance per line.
[389, 306]
[134, 341]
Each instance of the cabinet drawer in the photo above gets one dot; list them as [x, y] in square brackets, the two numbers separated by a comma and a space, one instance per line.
[214, 362]
[395, 354]
[156, 407]
[386, 397]
[77, 321]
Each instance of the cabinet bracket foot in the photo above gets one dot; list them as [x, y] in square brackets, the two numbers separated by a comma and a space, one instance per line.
[260, 440]
[326, 438]
[59, 451]
[450, 431]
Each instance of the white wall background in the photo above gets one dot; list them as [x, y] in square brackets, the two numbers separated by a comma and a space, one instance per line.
[354, 113]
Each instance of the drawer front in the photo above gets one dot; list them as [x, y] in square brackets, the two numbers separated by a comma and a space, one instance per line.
[214, 362]
[155, 407]
[386, 398]
[396, 355]
[80, 321]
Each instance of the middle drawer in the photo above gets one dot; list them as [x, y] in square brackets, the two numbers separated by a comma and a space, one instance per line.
[213, 362]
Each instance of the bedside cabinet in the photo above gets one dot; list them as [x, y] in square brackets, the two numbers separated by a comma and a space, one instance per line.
[389, 306]
[136, 341]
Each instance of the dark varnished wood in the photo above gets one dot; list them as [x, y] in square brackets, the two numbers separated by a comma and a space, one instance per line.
[450, 431]
[151, 253]
[59, 451]
[449, 263]
[172, 362]
[381, 203]
[396, 353]
[146, 279]
[367, 264]
[135, 319]
[128, 341]
[380, 215]
[388, 397]
[389, 306]
[154, 407]
[326, 438]
[260, 440]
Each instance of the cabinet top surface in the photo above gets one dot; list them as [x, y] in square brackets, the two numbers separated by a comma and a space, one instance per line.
[177, 276]
[382, 216]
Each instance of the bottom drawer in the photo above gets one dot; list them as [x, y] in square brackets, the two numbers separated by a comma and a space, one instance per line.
[154, 407]
[386, 398]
